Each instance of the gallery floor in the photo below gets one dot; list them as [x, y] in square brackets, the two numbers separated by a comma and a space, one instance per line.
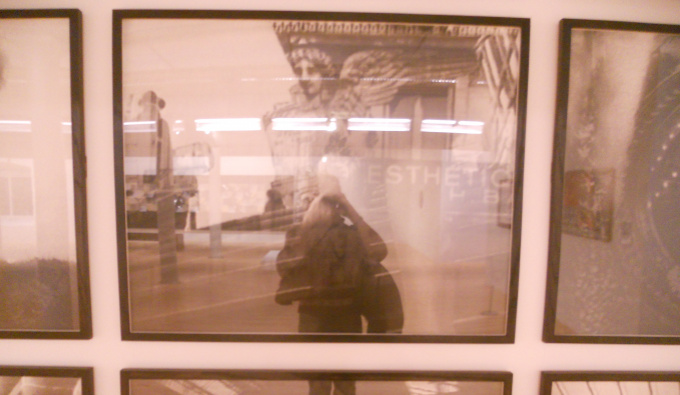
[234, 292]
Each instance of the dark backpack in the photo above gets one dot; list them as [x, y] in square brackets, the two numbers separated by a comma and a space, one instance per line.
[380, 300]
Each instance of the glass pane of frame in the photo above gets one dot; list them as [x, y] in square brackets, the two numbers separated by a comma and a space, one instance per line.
[614, 273]
[146, 382]
[46, 380]
[318, 176]
[610, 383]
[44, 281]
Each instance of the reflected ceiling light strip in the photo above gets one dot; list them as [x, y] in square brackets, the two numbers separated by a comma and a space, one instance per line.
[15, 126]
[139, 127]
[451, 126]
[228, 125]
[304, 124]
[66, 127]
[379, 124]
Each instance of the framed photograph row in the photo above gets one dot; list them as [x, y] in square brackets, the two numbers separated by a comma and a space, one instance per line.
[80, 381]
[340, 177]
[143, 382]
[148, 381]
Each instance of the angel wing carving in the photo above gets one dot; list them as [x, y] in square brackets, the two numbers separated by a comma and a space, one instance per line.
[373, 77]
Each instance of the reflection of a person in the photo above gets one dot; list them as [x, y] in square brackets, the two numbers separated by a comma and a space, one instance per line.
[274, 210]
[151, 106]
[330, 256]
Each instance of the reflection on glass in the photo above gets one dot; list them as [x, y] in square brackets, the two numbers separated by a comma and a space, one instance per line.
[38, 283]
[616, 387]
[619, 273]
[298, 387]
[210, 201]
[34, 385]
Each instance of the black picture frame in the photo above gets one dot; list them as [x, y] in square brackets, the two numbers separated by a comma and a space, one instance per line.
[610, 274]
[611, 266]
[43, 219]
[145, 381]
[80, 379]
[608, 382]
[487, 54]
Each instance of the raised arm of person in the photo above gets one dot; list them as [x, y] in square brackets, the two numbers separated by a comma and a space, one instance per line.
[375, 245]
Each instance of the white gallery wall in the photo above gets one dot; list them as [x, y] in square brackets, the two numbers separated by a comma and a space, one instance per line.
[525, 358]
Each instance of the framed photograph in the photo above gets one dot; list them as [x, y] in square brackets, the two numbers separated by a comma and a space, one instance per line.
[46, 380]
[303, 176]
[610, 383]
[614, 258]
[44, 278]
[217, 382]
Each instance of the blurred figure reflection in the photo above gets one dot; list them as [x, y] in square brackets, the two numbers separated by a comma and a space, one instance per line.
[323, 266]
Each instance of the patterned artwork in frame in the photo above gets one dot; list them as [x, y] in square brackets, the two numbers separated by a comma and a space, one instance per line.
[44, 276]
[46, 380]
[588, 201]
[333, 177]
[614, 258]
[242, 382]
[610, 383]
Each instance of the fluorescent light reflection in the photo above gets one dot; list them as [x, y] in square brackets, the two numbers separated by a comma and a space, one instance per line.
[451, 126]
[228, 125]
[295, 124]
[15, 126]
[379, 124]
[66, 127]
[139, 127]
[300, 124]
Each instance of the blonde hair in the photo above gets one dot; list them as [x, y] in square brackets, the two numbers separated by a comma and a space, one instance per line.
[318, 219]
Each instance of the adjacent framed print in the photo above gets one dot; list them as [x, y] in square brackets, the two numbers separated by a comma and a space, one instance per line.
[610, 383]
[44, 278]
[614, 258]
[299, 176]
[46, 380]
[214, 382]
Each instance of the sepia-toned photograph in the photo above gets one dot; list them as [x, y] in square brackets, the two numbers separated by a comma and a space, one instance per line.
[46, 381]
[290, 176]
[44, 282]
[614, 260]
[193, 382]
[610, 383]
